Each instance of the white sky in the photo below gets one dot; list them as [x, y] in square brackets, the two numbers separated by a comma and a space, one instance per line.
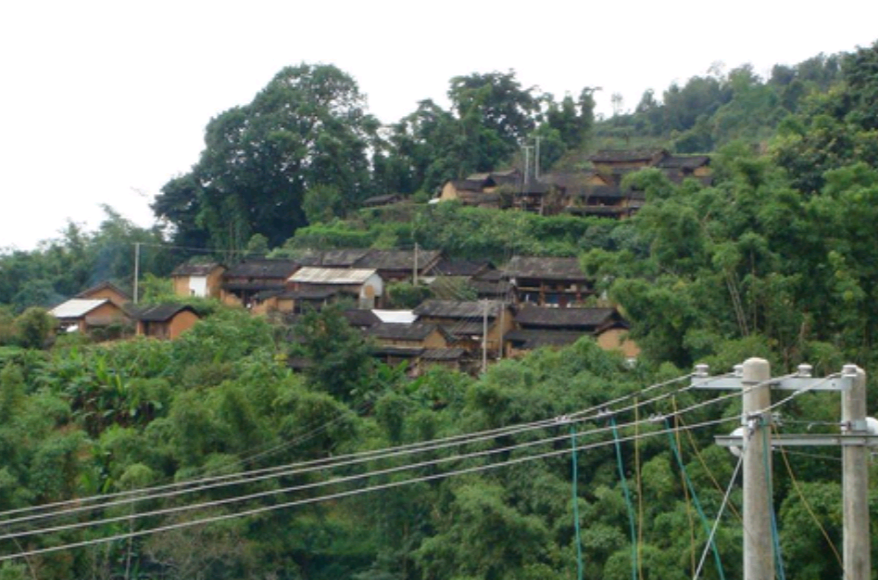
[102, 102]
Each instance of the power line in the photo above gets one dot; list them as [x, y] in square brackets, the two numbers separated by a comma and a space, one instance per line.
[338, 495]
[300, 468]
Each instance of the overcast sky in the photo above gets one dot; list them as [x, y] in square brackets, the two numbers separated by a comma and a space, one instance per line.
[103, 102]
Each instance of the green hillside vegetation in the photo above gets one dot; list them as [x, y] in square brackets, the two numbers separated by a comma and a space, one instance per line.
[774, 259]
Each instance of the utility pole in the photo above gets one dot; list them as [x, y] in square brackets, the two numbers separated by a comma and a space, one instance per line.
[537, 159]
[485, 337]
[136, 269]
[758, 544]
[527, 149]
[855, 439]
[855, 482]
[415, 267]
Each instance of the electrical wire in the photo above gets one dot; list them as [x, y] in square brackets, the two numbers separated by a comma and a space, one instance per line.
[722, 507]
[188, 507]
[203, 484]
[328, 497]
[807, 505]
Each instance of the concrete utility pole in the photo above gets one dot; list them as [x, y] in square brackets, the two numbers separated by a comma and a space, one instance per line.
[415, 267]
[758, 552]
[527, 149]
[855, 440]
[855, 482]
[485, 338]
[136, 269]
[537, 158]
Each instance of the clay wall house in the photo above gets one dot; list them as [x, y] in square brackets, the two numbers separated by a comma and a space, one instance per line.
[106, 290]
[87, 314]
[365, 285]
[463, 322]
[480, 189]
[555, 327]
[164, 321]
[243, 281]
[462, 190]
[200, 280]
[452, 359]
[558, 282]
[395, 342]
[292, 301]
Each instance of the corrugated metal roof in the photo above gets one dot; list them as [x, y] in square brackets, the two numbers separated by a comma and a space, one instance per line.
[396, 316]
[77, 307]
[309, 275]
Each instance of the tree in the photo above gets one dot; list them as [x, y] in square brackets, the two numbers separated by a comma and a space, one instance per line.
[308, 127]
[340, 359]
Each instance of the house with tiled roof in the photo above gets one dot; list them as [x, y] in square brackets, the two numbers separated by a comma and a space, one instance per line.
[464, 322]
[558, 282]
[163, 321]
[556, 327]
[244, 280]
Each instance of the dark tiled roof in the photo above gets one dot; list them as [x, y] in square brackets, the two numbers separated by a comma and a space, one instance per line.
[397, 351]
[467, 185]
[545, 268]
[490, 287]
[586, 319]
[159, 312]
[455, 309]
[398, 331]
[449, 267]
[443, 354]
[263, 268]
[255, 286]
[689, 162]
[382, 199]
[341, 258]
[195, 269]
[359, 318]
[464, 329]
[627, 155]
[602, 192]
[400, 260]
[531, 339]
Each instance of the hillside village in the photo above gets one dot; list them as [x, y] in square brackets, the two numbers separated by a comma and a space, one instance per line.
[530, 303]
[480, 313]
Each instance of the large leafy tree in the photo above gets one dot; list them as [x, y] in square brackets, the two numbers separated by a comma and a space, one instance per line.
[307, 128]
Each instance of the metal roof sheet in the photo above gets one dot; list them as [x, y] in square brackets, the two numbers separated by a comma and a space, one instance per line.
[77, 307]
[308, 275]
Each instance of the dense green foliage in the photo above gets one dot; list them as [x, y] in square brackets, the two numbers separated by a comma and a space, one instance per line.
[774, 259]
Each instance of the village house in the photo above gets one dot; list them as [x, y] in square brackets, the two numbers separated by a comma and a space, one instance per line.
[364, 285]
[202, 280]
[87, 314]
[557, 282]
[556, 327]
[398, 342]
[243, 281]
[400, 265]
[464, 322]
[164, 321]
